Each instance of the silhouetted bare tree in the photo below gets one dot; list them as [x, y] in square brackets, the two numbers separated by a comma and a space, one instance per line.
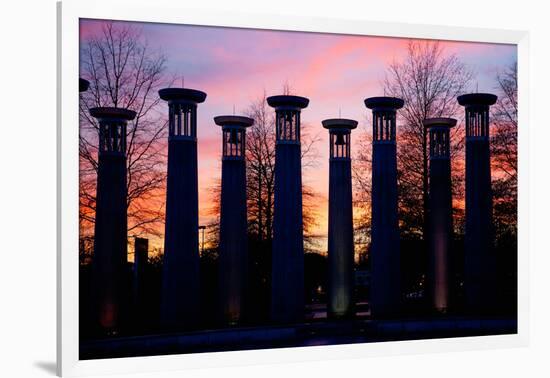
[361, 172]
[429, 80]
[260, 172]
[124, 72]
[212, 229]
[504, 150]
[260, 154]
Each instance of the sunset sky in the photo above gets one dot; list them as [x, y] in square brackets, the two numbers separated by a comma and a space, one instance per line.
[235, 66]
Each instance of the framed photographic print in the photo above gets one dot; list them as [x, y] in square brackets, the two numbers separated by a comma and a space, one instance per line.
[241, 188]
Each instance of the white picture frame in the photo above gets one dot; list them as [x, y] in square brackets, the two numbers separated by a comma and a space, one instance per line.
[69, 13]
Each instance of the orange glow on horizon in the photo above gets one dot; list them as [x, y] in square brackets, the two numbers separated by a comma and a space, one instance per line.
[235, 67]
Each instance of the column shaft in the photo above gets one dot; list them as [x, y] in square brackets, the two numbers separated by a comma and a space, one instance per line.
[479, 259]
[141, 249]
[288, 251]
[340, 240]
[180, 293]
[479, 268]
[440, 232]
[110, 244]
[233, 259]
[384, 252]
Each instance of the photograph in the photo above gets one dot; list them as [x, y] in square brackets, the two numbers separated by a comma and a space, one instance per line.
[245, 189]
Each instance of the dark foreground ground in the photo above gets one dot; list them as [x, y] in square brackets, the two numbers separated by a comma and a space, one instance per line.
[320, 332]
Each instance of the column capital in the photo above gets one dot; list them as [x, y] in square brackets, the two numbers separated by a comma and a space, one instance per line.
[384, 103]
[477, 114]
[182, 112]
[233, 121]
[112, 113]
[287, 101]
[340, 137]
[233, 135]
[83, 85]
[182, 94]
[439, 122]
[477, 99]
[287, 117]
[334, 124]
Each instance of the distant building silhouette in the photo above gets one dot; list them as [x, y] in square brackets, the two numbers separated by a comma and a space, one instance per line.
[110, 241]
[440, 215]
[141, 255]
[479, 263]
[180, 299]
[340, 220]
[233, 258]
[385, 291]
[287, 279]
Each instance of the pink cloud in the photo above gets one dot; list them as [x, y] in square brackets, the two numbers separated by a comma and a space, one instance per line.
[235, 66]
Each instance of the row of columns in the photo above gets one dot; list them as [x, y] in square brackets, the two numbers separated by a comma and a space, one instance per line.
[180, 301]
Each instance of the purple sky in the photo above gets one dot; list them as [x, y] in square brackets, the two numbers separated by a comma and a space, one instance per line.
[235, 66]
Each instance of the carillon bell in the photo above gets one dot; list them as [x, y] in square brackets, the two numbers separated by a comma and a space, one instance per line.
[340, 140]
[233, 137]
[289, 118]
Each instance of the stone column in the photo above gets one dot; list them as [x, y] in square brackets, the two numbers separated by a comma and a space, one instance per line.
[440, 216]
[180, 299]
[341, 302]
[233, 260]
[110, 242]
[385, 259]
[479, 259]
[287, 278]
